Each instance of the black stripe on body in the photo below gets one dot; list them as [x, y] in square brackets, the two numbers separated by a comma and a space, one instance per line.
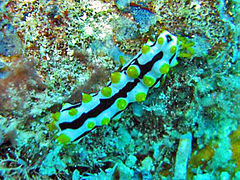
[170, 60]
[146, 67]
[106, 103]
[85, 133]
[153, 44]
[73, 106]
[130, 63]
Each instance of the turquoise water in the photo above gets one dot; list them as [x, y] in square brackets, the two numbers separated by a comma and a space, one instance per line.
[53, 51]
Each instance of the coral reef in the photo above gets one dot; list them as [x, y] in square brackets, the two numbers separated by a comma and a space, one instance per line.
[52, 51]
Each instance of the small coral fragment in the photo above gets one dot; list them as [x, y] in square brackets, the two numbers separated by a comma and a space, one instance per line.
[183, 153]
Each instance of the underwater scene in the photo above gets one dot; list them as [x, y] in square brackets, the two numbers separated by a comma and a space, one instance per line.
[120, 89]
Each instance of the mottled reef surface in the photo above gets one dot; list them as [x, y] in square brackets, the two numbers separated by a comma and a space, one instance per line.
[52, 51]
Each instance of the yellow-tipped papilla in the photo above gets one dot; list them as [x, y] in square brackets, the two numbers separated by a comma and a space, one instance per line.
[160, 67]
[90, 125]
[105, 121]
[72, 112]
[63, 139]
[164, 69]
[86, 98]
[133, 71]
[173, 49]
[141, 96]
[121, 104]
[52, 126]
[145, 49]
[148, 81]
[115, 77]
[106, 91]
[122, 60]
[55, 116]
[160, 41]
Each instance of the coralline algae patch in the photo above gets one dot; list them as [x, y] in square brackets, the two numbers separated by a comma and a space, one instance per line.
[224, 152]
[235, 146]
[63, 39]
[58, 38]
